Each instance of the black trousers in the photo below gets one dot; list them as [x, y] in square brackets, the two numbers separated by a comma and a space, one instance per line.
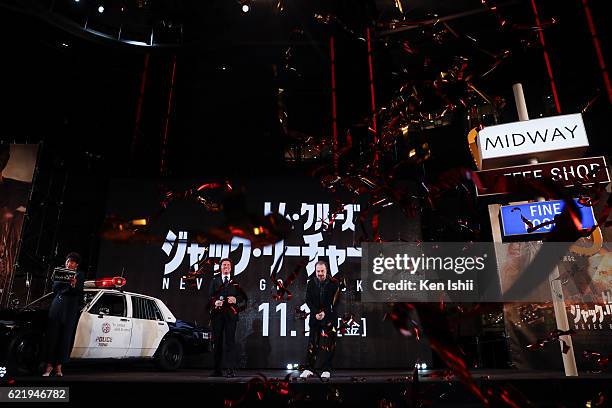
[321, 344]
[224, 341]
[60, 335]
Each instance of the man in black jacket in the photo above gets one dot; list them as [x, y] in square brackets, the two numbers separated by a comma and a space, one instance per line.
[226, 298]
[322, 293]
[63, 317]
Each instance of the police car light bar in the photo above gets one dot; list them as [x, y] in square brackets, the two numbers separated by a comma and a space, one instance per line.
[116, 282]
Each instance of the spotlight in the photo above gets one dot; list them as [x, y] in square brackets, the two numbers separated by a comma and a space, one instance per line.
[289, 366]
[245, 8]
[76, 1]
[101, 9]
[423, 366]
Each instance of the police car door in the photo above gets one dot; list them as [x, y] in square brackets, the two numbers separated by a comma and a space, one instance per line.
[148, 329]
[104, 329]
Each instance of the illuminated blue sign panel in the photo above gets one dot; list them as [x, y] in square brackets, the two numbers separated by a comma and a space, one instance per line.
[538, 213]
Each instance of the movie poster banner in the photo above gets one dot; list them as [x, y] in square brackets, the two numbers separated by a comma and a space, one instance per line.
[586, 281]
[271, 332]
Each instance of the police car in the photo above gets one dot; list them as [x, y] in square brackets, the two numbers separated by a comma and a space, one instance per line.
[113, 324]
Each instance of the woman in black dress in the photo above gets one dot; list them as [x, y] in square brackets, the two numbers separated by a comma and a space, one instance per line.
[63, 317]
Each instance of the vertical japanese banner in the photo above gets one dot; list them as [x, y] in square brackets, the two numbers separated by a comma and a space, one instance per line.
[586, 279]
[270, 332]
[17, 165]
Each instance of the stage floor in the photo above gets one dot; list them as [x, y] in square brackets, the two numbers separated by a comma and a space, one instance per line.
[117, 373]
[117, 384]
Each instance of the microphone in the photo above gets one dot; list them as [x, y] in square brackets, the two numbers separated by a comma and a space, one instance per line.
[221, 299]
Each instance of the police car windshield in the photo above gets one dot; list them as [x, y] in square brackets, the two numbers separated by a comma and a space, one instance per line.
[88, 296]
[43, 302]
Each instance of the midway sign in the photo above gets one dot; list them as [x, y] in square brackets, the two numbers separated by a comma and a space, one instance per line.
[551, 138]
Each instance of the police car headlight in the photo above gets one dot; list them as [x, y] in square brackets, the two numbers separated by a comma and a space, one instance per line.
[203, 335]
[8, 324]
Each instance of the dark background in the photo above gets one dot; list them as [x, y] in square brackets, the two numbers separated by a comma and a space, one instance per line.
[77, 91]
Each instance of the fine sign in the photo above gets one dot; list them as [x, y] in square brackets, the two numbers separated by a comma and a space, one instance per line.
[551, 138]
[538, 213]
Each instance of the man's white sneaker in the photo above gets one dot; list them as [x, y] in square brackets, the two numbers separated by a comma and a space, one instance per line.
[326, 375]
[306, 374]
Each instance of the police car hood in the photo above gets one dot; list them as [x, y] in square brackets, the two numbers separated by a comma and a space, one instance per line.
[185, 325]
[12, 316]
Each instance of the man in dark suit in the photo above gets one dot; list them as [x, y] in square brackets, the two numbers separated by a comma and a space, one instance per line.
[225, 301]
[322, 293]
[63, 317]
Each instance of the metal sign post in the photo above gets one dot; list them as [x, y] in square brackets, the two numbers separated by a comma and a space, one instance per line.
[569, 359]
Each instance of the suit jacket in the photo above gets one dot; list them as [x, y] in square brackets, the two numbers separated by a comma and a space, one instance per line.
[67, 302]
[320, 297]
[218, 289]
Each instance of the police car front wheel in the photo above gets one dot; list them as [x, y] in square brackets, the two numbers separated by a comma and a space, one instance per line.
[24, 353]
[169, 355]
